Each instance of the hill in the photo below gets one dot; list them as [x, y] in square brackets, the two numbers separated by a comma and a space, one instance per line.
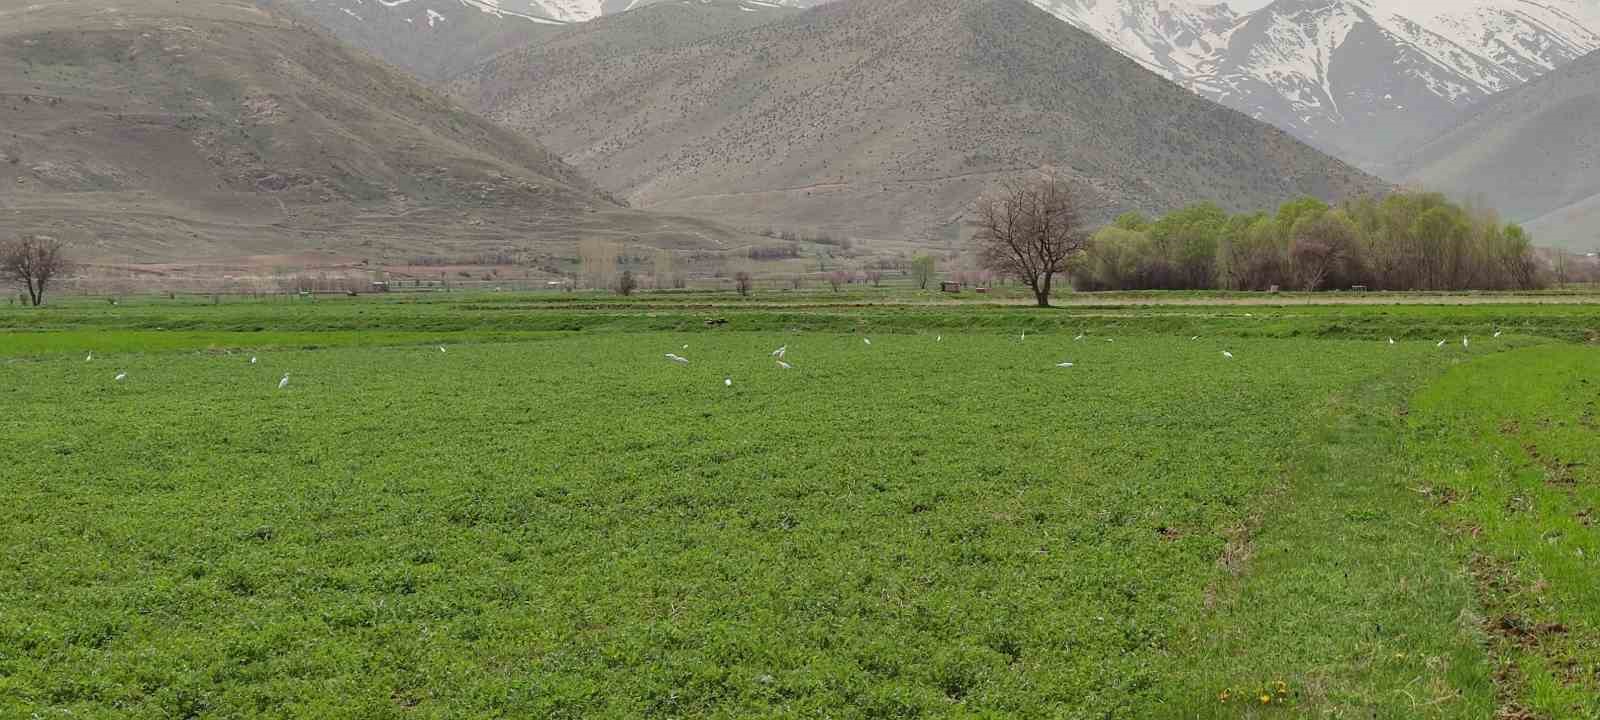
[881, 119]
[151, 131]
[1533, 153]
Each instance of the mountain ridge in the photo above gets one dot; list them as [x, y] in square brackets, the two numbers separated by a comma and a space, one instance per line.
[1354, 77]
[868, 118]
[1361, 79]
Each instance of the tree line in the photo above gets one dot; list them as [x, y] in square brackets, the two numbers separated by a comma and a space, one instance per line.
[1406, 241]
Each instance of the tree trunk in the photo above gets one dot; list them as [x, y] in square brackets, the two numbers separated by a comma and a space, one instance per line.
[1041, 290]
[35, 295]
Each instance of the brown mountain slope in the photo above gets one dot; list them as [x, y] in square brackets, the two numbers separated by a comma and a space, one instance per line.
[883, 118]
[149, 130]
[1532, 152]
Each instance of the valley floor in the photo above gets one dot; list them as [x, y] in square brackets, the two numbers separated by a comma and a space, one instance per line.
[490, 505]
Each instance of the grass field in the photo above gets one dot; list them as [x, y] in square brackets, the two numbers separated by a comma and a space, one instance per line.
[548, 519]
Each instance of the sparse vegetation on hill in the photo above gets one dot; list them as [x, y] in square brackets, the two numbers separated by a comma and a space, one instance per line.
[158, 131]
[882, 120]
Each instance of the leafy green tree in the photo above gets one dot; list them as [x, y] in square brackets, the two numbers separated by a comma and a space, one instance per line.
[1112, 262]
[1407, 241]
[1188, 240]
[1132, 221]
[1292, 212]
[922, 270]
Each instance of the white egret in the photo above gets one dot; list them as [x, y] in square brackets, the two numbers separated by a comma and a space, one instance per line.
[1227, 354]
[1197, 337]
[1111, 340]
[867, 340]
[785, 365]
[284, 382]
[678, 359]
[1024, 336]
[1464, 344]
[1064, 365]
[1497, 333]
[780, 352]
[441, 348]
[939, 339]
[1391, 341]
[121, 376]
[89, 357]
[727, 382]
[252, 359]
[1079, 337]
[1440, 345]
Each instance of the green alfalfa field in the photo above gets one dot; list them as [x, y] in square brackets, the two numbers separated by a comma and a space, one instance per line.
[517, 507]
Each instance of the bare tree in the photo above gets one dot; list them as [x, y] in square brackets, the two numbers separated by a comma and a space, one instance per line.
[33, 261]
[1321, 246]
[1029, 230]
[627, 283]
[742, 282]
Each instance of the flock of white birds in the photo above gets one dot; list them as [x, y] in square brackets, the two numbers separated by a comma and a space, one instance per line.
[779, 354]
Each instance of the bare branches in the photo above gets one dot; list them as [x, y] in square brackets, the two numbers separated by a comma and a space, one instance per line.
[1030, 230]
[33, 261]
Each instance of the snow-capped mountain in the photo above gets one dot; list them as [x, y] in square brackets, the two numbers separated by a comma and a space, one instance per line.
[1359, 78]
[437, 40]
[572, 11]
[1176, 38]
